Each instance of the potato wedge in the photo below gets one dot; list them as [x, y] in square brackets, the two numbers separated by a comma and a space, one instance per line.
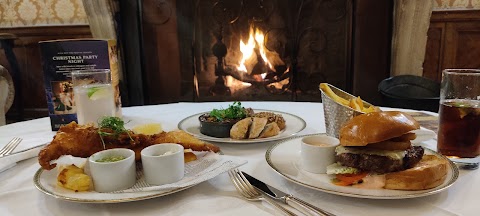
[74, 178]
[188, 156]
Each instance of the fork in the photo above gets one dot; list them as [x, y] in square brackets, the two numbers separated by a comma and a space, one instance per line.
[10, 146]
[244, 187]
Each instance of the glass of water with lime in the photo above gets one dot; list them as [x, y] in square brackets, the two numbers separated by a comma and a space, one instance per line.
[94, 95]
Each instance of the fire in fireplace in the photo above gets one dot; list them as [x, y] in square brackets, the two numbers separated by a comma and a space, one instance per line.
[256, 65]
[269, 49]
[225, 50]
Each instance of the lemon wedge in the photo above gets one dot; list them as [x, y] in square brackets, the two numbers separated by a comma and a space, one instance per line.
[96, 93]
[148, 129]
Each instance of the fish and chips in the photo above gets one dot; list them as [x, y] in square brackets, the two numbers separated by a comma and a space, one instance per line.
[85, 140]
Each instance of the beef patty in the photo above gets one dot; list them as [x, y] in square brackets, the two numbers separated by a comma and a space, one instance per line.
[381, 164]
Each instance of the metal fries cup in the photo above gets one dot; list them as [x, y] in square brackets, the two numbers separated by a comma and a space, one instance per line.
[337, 114]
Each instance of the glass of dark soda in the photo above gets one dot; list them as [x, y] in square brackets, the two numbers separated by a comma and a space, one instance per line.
[459, 116]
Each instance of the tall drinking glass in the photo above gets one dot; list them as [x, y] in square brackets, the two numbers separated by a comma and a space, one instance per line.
[94, 95]
[459, 126]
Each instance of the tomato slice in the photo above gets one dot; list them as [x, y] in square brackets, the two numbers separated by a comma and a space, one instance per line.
[349, 179]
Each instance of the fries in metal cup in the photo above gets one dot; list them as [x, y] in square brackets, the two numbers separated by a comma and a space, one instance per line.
[340, 106]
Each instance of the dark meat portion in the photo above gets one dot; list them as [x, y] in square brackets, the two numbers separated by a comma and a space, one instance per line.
[413, 156]
[381, 164]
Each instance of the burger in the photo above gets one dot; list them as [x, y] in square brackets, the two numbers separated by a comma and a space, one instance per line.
[376, 148]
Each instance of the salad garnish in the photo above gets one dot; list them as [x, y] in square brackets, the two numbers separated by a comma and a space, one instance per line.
[234, 111]
[114, 124]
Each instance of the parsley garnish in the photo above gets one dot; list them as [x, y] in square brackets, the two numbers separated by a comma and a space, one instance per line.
[115, 124]
[234, 111]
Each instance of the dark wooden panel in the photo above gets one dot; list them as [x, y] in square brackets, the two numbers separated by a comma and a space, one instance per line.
[132, 52]
[432, 63]
[462, 45]
[372, 45]
[455, 16]
[453, 42]
[28, 54]
[161, 51]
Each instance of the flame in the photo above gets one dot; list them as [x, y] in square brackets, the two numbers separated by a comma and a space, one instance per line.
[260, 38]
[256, 39]
[247, 50]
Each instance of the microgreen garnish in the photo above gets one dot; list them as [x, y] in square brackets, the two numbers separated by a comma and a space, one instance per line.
[234, 111]
[115, 124]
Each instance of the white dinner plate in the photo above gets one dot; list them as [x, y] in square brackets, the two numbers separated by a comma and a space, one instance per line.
[45, 181]
[294, 124]
[284, 158]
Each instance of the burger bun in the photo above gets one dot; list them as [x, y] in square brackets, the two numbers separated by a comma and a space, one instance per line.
[376, 127]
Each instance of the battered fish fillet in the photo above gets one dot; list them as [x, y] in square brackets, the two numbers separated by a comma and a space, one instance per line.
[186, 140]
[83, 141]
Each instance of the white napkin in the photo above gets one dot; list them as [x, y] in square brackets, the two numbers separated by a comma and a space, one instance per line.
[8, 161]
[204, 168]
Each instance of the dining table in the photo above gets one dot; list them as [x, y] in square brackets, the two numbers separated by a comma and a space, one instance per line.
[218, 196]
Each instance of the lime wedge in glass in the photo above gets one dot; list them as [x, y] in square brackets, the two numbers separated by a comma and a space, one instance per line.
[96, 93]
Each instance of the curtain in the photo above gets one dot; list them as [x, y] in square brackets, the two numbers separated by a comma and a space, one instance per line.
[411, 23]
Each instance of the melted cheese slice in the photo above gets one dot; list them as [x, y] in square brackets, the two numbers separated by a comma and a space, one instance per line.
[396, 154]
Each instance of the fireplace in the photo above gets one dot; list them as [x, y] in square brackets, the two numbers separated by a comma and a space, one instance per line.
[268, 49]
[225, 50]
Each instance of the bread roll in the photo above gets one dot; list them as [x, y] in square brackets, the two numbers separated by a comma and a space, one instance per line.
[258, 124]
[272, 117]
[240, 129]
[270, 130]
[430, 172]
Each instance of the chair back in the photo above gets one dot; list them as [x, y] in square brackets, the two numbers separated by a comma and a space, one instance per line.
[410, 92]
[7, 93]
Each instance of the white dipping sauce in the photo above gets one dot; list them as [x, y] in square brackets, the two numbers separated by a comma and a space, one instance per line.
[317, 152]
[168, 153]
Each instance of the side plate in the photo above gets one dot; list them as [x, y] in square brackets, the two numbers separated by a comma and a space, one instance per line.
[294, 124]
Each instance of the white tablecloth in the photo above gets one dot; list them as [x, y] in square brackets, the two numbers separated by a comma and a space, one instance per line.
[18, 195]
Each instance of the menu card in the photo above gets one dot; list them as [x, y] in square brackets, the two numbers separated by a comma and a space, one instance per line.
[426, 120]
[60, 58]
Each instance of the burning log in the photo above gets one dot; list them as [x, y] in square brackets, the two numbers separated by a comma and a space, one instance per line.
[272, 76]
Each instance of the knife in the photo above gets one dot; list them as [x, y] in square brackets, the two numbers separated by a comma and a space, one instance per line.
[289, 199]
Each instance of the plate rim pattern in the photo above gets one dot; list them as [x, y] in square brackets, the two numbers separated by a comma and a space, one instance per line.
[44, 190]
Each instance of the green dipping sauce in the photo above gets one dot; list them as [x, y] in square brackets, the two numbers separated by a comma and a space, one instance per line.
[110, 159]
